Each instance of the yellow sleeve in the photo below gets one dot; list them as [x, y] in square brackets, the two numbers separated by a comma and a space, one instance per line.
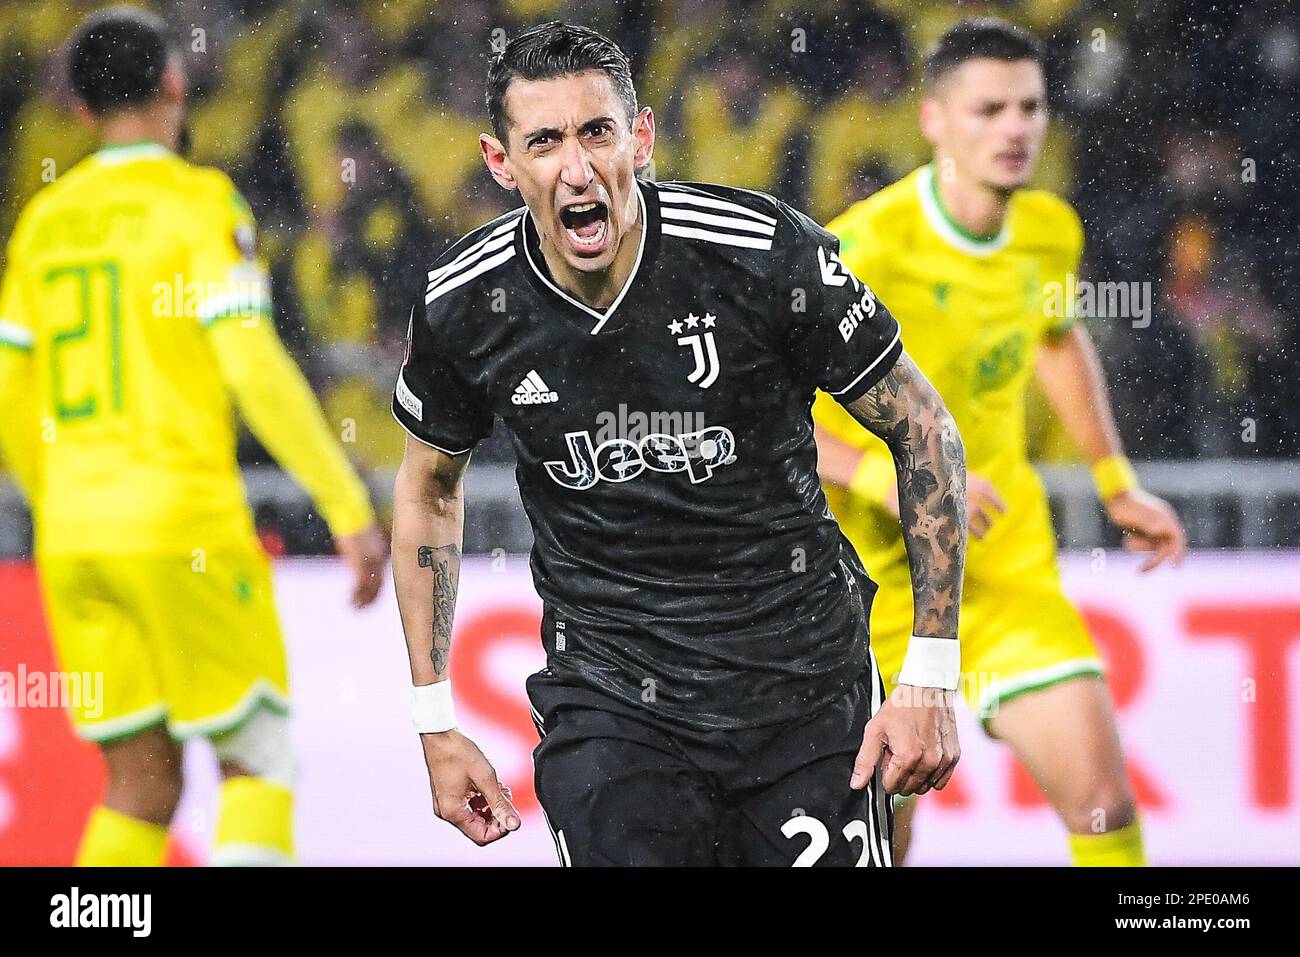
[19, 428]
[224, 265]
[268, 388]
[876, 473]
[1063, 271]
[281, 410]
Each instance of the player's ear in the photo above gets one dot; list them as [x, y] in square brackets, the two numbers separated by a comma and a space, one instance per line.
[931, 120]
[173, 81]
[494, 155]
[643, 131]
[84, 114]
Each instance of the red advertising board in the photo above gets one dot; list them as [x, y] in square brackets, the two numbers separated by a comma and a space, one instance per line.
[1202, 665]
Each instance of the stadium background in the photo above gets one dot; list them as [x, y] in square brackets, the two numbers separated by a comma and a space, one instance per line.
[351, 127]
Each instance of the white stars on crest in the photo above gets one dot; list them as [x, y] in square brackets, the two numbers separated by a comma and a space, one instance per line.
[692, 322]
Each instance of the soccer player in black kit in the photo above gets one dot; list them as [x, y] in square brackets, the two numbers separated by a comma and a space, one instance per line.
[709, 695]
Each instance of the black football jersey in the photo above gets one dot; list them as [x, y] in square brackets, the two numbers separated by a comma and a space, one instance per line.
[683, 548]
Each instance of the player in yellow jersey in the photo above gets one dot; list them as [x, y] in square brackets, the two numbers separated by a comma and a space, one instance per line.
[134, 321]
[966, 258]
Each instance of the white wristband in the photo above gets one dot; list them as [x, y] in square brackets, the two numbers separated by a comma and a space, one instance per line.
[931, 663]
[431, 708]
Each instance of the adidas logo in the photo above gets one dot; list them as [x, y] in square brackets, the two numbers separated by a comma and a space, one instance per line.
[533, 391]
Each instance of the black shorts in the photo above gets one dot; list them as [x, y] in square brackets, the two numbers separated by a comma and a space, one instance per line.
[618, 787]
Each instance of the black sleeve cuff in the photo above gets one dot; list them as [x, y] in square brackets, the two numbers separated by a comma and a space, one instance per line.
[871, 375]
[418, 432]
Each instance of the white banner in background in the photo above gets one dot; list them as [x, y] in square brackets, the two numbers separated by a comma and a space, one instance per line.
[1205, 666]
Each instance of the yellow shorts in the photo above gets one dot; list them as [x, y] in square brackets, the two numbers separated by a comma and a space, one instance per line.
[192, 641]
[1018, 631]
[1017, 634]
[1015, 637]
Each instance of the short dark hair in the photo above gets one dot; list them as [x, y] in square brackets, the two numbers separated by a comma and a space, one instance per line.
[556, 49]
[979, 38]
[117, 58]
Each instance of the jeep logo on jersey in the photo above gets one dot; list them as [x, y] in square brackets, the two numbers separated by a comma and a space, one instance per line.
[618, 460]
[704, 348]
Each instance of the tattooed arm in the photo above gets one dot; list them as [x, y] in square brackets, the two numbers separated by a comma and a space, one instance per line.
[905, 411]
[428, 518]
[916, 730]
[428, 522]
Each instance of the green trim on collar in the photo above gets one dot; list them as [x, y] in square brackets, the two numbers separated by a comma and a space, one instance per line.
[119, 152]
[948, 228]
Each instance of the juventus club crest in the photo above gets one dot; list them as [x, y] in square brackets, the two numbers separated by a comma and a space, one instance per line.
[704, 348]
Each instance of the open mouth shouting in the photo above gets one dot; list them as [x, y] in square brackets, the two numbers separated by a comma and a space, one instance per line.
[586, 226]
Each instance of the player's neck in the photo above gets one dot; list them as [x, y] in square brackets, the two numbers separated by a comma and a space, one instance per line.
[977, 209]
[137, 126]
[600, 288]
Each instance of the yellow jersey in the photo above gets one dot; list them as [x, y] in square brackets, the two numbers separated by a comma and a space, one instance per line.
[973, 313]
[134, 320]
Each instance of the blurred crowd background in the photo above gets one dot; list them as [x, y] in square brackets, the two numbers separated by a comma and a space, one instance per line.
[351, 126]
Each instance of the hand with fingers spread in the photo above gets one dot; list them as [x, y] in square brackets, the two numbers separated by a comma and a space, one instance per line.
[915, 733]
[1149, 525]
[465, 788]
